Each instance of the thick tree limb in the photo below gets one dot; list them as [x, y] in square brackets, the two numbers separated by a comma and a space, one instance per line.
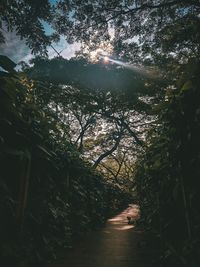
[84, 128]
[122, 123]
[108, 152]
[119, 162]
[126, 126]
[120, 165]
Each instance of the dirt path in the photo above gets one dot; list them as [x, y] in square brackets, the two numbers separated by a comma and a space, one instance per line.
[116, 245]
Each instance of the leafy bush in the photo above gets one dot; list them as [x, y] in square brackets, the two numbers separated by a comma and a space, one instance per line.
[48, 193]
[168, 173]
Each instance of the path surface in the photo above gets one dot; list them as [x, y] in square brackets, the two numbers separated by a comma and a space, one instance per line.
[116, 245]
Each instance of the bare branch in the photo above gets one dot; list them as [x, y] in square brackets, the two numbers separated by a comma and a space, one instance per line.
[108, 169]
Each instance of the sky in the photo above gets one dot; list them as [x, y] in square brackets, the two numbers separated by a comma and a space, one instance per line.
[17, 50]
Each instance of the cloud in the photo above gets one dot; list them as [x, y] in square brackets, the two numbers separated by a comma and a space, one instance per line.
[66, 50]
[17, 50]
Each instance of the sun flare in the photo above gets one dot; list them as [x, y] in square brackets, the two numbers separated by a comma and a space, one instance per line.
[104, 50]
[106, 59]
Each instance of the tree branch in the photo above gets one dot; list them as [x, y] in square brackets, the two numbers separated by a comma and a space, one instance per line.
[120, 165]
[108, 152]
[121, 122]
[149, 6]
[108, 169]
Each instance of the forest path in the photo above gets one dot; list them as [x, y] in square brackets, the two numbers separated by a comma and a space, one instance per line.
[116, 245]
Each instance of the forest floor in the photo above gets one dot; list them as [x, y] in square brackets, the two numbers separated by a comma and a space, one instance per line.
[118, 244]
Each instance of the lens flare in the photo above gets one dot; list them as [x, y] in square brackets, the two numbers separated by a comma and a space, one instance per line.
[145, 71]
[104, 49]
[106, 59]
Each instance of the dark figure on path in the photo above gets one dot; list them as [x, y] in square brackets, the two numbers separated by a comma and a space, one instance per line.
[131, 220]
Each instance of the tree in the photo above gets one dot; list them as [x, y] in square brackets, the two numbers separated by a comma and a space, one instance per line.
[82, 97]
[48, 193]
[141, 28]
[98, 117]
[167, 173]
[27, 19]
[140, 31]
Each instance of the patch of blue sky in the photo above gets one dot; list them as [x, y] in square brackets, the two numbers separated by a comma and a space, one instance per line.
[17, 50]
[47, 28]
[53, 2]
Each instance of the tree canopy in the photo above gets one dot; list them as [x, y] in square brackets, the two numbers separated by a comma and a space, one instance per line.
[85, 136]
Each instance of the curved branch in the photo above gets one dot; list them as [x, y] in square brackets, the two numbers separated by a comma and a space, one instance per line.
[122, 123]
[108, 152]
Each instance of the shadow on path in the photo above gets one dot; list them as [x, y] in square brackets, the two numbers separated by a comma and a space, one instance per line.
[116, 245]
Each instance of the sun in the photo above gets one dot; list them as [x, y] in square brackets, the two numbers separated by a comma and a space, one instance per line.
[96, 54]
[103, 51]
[106, 59]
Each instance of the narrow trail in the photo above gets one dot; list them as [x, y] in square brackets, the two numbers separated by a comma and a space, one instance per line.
[116, 245]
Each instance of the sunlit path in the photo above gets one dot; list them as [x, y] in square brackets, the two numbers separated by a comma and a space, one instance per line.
[116, 245]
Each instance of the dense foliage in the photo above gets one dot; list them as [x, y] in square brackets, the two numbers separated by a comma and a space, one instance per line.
[48, 194]
[100, 109]
[168, 173]
[160, 33]
[27, 20]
